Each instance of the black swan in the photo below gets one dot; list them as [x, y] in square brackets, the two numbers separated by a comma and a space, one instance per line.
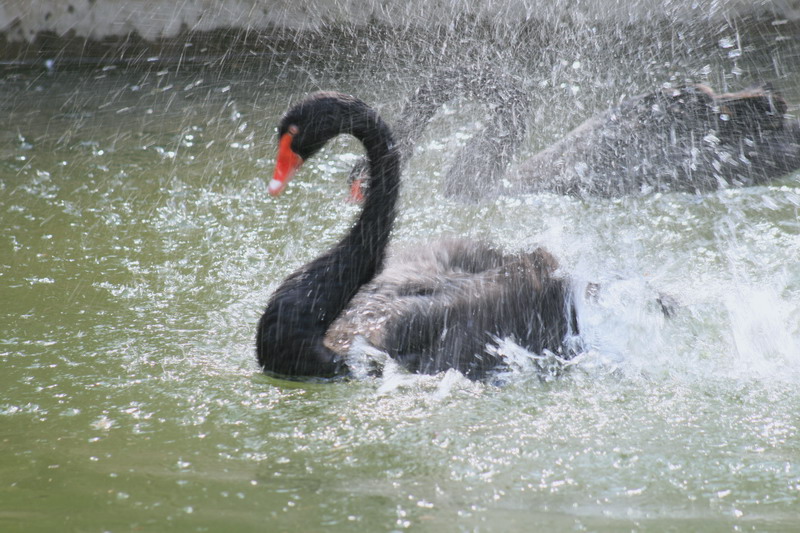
[688, 139]
[479, 166]
[438, 307]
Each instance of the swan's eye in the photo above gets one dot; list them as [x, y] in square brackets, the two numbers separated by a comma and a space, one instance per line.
[292, 132]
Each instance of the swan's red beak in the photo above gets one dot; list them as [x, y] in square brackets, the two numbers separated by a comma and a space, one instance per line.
[286, 165]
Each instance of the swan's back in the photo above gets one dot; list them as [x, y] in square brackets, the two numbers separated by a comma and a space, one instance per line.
[437, 307]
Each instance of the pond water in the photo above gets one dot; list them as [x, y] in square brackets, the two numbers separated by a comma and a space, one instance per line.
[139, 247]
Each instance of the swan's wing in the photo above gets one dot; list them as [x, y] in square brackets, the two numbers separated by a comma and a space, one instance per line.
[439, 307]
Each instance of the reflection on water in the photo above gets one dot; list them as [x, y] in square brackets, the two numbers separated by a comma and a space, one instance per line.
[140, 246]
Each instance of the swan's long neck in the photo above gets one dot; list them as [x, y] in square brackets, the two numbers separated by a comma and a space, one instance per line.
[363, 249]
[292, 329]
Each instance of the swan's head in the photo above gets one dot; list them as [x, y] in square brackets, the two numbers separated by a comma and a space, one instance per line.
[305, 129]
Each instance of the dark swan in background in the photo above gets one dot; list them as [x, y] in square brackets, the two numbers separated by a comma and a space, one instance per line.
[479, 166]
[687, 139]
[431, 309]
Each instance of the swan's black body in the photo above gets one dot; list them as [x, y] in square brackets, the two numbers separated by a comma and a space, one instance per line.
[432, 311]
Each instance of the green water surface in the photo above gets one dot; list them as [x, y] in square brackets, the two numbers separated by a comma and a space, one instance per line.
[139, 246]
